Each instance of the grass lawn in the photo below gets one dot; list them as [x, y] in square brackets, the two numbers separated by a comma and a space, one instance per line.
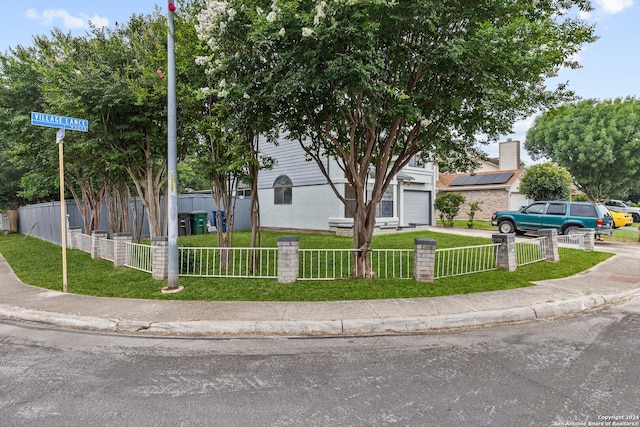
[40, 264]
[624, 234]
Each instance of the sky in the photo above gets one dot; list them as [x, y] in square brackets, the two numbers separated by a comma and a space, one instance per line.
[610, 66]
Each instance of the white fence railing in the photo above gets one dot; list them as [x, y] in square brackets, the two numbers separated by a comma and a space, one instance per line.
[465, 260]
[84, 242]
[106, 249]
[530, 251]
[228, 262]
[330, 264]
[138, 257]
[573, 241]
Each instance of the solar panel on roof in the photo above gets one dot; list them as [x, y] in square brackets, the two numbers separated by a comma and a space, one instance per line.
[461, 180]
[485, 179]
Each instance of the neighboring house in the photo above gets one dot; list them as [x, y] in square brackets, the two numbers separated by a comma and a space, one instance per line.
[295, 195]
[495, 184]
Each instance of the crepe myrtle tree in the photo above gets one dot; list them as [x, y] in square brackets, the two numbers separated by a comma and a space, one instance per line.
[373, 83]
[239, 114]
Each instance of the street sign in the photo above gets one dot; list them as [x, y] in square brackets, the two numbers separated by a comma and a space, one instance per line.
[62, 123]
[69, 123]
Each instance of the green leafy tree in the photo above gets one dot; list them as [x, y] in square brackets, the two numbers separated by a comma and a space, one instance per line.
[633, 195]
[239, 102]
[374, 83]
[546, 182]
[30, 166]
[598, 142]
[114, 78]
[448, 204]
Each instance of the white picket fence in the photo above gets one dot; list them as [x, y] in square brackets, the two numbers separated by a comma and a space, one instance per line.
[329, 264]
[228, 262]
[138, 257]
[530, 251]
[465, 260]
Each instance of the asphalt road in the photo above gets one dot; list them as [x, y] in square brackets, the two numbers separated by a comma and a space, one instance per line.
[569, 371]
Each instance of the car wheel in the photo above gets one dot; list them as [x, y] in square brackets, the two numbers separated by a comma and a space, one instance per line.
[572, 233]
[636, 217]
[572, 230]
[506, 227]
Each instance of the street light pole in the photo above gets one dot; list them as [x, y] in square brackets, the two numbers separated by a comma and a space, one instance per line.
[172, 183]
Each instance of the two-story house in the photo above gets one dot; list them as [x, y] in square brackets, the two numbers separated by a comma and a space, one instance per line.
[495, 184]
[294, 194]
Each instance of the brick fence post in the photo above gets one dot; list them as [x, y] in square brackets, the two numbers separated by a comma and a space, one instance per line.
[288, 259]
[589, 239]
[160, 258]
[74, 236]
[96, 246]
[120, 248]
[550, 244]
[424, 260]
[506, 252]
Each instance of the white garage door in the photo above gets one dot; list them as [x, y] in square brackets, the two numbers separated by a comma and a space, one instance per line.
[417, 207]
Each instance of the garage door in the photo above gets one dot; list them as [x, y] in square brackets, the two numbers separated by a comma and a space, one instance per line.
[417, 207]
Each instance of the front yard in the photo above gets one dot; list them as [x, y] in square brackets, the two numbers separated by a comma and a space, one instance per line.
[39, 263]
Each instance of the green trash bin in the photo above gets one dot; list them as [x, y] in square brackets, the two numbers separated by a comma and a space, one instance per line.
[199, 222]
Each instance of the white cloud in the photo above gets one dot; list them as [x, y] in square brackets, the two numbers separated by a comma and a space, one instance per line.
[521, 127]
[99, 21]
[584, 15]
[613, 6]
[69, 22]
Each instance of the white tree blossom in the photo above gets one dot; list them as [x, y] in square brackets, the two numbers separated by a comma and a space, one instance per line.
[319, 13]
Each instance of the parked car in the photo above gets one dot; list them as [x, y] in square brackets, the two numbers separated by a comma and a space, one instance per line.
[621, 219]
[566, 217]
[620, 206]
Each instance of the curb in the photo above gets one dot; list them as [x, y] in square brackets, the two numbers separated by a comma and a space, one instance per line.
[339, 327]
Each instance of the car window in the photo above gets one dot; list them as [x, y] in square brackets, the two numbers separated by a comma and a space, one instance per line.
[583, 210]
[536, 208]
[557, 209]
[603, 210]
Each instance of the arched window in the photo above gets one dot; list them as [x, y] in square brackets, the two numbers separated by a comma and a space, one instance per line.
[282, 190]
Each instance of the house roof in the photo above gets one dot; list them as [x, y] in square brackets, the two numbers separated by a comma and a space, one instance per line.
[478, 180]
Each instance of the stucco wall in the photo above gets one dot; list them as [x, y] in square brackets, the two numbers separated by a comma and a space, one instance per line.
[310, 209]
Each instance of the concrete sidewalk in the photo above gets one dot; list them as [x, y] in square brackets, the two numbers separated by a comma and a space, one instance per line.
[613, 281]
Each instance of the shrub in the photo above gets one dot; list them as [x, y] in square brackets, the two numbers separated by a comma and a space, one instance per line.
[473, 208]
[448, 204]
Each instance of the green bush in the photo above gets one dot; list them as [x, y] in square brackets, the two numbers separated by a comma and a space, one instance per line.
[448, 204]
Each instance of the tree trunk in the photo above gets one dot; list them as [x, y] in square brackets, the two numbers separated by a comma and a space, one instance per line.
[253, 168]
[89, 202]
[222, 189]
[117, 197]
[364, 221]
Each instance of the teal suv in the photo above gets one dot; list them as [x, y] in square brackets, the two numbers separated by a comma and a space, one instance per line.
[566, 217]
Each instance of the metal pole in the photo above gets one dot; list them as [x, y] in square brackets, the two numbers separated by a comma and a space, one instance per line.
[63, 215]
[172, 193]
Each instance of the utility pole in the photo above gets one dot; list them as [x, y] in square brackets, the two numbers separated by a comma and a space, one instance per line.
[172, 162]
